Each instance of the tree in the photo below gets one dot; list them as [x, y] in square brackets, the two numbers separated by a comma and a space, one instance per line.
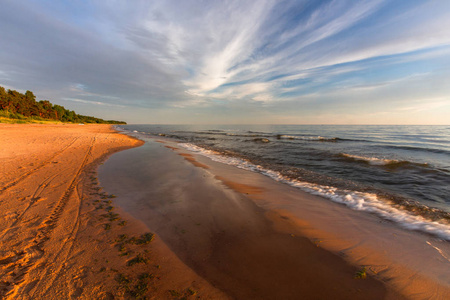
[25, 105]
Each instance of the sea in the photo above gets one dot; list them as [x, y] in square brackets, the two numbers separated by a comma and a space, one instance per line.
[399, 173]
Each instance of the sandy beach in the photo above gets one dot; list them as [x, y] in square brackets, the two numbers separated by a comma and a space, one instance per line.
[166, 223]
[61, 236]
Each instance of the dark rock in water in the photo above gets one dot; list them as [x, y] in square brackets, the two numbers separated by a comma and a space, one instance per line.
[261, 140]
[162, 134]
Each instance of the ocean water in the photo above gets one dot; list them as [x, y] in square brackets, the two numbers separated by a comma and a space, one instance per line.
[400, 173]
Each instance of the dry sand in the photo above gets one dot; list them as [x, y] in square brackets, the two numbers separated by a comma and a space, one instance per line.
[60, 235]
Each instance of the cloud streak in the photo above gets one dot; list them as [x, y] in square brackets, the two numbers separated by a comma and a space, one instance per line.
[268, 58]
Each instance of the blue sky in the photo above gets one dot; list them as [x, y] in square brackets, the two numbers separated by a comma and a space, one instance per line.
[239, 62]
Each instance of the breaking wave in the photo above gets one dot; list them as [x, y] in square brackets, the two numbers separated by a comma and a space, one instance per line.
[361, 201]
[381, 161]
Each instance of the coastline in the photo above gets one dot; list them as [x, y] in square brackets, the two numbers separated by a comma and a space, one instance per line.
[219, 232]
[61, 235]
[204, 231]
[412, 263]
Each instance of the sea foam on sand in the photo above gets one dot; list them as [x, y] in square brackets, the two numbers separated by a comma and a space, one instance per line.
[367, 202]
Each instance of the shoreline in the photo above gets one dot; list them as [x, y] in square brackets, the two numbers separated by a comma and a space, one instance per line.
[413, 263]
[62, 237]
[207, 234]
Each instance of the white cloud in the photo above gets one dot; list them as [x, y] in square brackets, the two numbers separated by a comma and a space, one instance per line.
[217, 54]
[427, 104]
[92, 102]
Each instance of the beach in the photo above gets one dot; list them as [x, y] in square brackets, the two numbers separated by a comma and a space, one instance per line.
[251, 236]
[164, 222]
[61, 236]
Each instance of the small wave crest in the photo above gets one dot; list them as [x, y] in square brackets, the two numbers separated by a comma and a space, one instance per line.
[307, 138]
[381, 161]
[368, 202]
[371, 160]
[247, 135]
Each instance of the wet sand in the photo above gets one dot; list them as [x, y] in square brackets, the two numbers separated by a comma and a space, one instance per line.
[223, 223]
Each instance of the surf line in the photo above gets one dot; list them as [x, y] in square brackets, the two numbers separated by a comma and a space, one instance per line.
[439, 250]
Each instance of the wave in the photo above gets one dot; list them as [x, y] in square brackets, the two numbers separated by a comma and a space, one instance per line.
[257, 134]
[307, 138]
[420, 149]
[361, 201]
[248, 135]
[381, 161]
[371, 160]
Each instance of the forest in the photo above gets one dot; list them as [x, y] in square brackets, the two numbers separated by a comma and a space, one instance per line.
[15, 105]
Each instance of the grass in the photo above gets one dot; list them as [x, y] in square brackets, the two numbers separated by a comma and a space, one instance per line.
[183, 295]
[139, 259]
[123, 250]
[141, 287]
[112, 216]
[144, 239]
[146, 276]
[107, 226]
[122, 279]
[122, 238]
[26, 120]
[192, 292]
[174, 293]
[139, 290]
[362, 274]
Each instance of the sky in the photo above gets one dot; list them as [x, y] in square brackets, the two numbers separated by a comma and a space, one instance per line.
[233, 62]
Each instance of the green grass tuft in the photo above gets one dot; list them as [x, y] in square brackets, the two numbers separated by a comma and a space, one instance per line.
[139, 259]
[362, 274]
[192, 292]
[122, 279]
[174, 293]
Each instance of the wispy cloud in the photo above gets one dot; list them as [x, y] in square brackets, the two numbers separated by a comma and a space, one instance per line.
[92, 102]
[264, 56]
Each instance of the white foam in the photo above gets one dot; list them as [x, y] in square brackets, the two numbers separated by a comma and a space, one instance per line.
[304, 138]
[439, 251]
[367, 202]
[371, 160]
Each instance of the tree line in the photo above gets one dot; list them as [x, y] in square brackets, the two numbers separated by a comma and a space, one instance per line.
[18, 106]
